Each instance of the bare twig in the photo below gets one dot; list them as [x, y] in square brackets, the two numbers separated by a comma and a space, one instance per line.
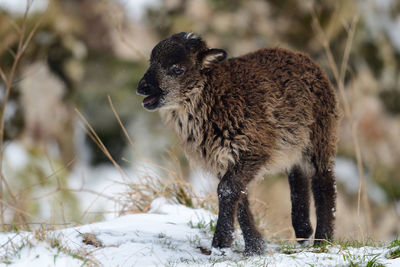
[14, 199]
[120, 123]
[351, 31]
[101, 194]
[20, 211]
[98, 141]
[48, 177]
[2, 75]
[12, 53]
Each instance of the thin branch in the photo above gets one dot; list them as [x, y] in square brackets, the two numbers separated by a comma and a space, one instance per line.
[89, 191]
[15, 25]
[14, 199]
[3, 76]
[20, 211]
[48, 177]
[98, 141]
[120, 123]
[12, 53]
[351, 31]
[8, 81]
[31, 34]
[99, 194]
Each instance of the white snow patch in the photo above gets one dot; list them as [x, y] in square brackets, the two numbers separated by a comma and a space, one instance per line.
[171, 235]
[137, 8]
[44, 255]
[100, 188]
[203, 183]
[376, 14]
[347, 174]
[19, 6]
[15, 155]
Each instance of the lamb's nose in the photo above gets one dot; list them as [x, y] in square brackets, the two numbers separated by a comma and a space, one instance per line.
[142, 83]
[142, 87]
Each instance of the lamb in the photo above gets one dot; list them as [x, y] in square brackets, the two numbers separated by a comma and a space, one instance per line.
[267, 111]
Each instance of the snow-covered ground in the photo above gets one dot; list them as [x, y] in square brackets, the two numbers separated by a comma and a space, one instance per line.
[169, 235]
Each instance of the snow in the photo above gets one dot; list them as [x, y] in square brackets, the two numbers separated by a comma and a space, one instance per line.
[347, 174]
[203, 182]
[137, 8]
[106, 183]
[169, 234]
[16, 155]
[376, 14]
[19, 6]
[43, 256]
[99, 188]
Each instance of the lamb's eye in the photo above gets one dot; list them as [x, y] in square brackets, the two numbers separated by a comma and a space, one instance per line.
[176, 70]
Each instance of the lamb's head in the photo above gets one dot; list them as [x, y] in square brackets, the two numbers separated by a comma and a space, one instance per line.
[176, 71]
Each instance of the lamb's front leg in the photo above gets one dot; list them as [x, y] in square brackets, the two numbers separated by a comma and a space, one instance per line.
[252, 237]
[229, 190]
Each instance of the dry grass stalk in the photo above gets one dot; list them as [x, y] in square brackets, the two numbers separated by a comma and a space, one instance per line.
[98, 195]
[339, 77]
[47, 178]
[120, 123]
[23, 213]
[174, 187]
[141, 194]
[93, 135]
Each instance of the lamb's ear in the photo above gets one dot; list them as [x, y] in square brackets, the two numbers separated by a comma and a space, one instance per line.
[212, 56]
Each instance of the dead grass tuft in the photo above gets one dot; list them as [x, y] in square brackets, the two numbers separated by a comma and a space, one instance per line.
[91, 239]
[154, 180]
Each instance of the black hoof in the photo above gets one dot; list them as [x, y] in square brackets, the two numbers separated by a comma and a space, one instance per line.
[254, 247]
[220, 242]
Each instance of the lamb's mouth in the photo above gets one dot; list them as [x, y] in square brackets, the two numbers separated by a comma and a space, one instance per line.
[151, 102]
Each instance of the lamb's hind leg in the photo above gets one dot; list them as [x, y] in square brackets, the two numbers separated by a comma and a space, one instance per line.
[253, 240]
[300, 197]
[324, 190]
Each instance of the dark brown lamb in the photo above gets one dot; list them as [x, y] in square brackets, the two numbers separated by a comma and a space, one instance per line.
[267, 111]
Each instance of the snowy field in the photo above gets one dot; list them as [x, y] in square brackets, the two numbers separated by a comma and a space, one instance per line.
[169, 235]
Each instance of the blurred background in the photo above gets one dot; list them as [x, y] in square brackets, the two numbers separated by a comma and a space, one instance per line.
[85, 52]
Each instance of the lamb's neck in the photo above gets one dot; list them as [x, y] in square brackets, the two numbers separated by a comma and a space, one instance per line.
[188, 120]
